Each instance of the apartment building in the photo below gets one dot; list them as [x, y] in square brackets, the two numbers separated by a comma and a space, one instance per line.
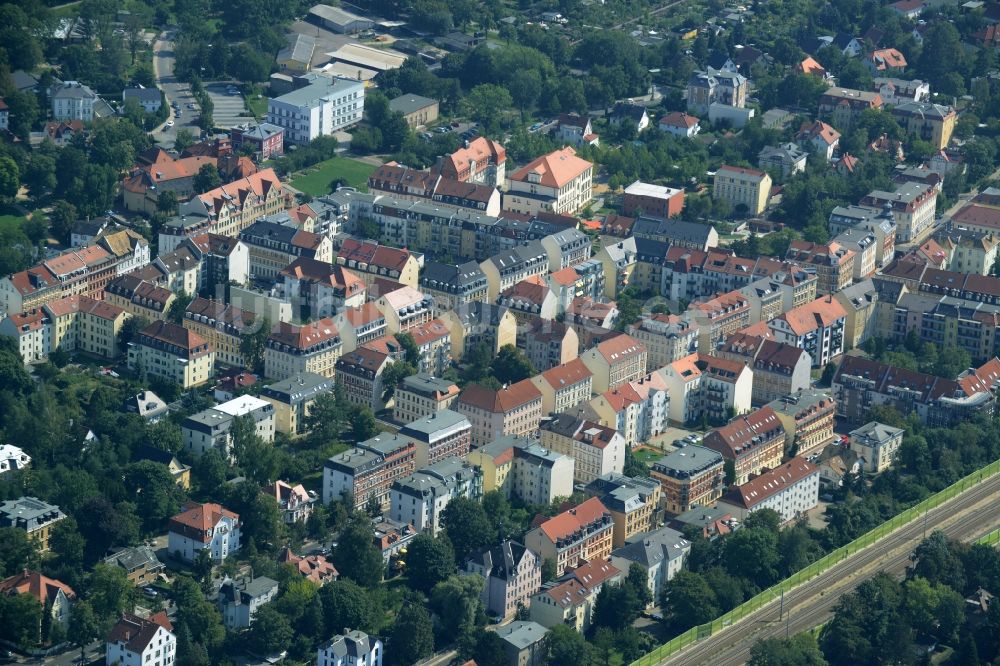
[864, 245]
[481, 161]
[223, 326]
[833, 263]
[209, 527]
[366, 472]
[210, 428]
[371, 260]
[807, 417]
[597, 450]
[689, 477]
[441, 434]
[571, 600]
[480, 324]
[577, 535]
[656, 201]
[453, 286]
[506, 269]
[615, 361]
[753, 442]
[172, 353]
[634, 504]
[817, 327]
[35, 517]
[791, 489]
[779, 369]
[359, 377]
[511, 572]
[877, 444]
[716, 87]
[843, 106]
[933, 123]
[748, 190]
[239, 600]
[860, 302]
[564, 386]
[72, 100]
[274, 246]
[559, 182]
[323, 106]
[511, 410]
[421, 395]
[421, 498]
[293, 398]
[359, 326]
[661, 553]
[913, 208]
[667, 338]
[718, 318]
[293, 348]
[726, 388]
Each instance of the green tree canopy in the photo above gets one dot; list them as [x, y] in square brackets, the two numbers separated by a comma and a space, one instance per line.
[356, 555]
[467, 526]
[429, 561]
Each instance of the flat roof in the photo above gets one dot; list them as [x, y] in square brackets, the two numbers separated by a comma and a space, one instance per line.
[367, 56]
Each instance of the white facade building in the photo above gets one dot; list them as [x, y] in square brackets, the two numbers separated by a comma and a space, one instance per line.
[354, 648]
[324, 106]
[136, 641]
[204, 527]
[12, 458]
[790, 489]
[73, 101]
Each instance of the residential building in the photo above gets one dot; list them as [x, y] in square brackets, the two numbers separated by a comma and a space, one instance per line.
[885, 62]
[559, 182]
[634, 504]
[510, 410]
[785, 160]
[655, 201]
[807, 417]
[210, 428]
[322, 107]
[524, 643]
[577, 535]
[365, 472]
[416, 110]
[817, 328]
[352, 648]
[139, 563]
[54, 596]
[422, 395]
[293, 348]
[480, 324]
[675, 233]
[239, 600]
[575, 130]
[548, 343]
[689, 477]
[571, 600]
[512, 574]
[859, 302]
[274, 246]
[680, 124]
[932, 123]
[35, 517]
[12, 458]
[843, 106]
[359, 326]
[564, 386]
[530, 298]
[619, 260]
[818, 138]
[359, 377]
[615, 361]
[877, 445]
[746, 189]
[314, 568]
[596, 450]
[753, 442]
[223, 327]
[421, 498]
[265, 139]
[833, 263]
[295, 502]
[371, 260]
[404, 309]
[180, 472]
[440, 435]
[913, 208]
[790, 489]
[405, 185]
[72, 100]
[139, 297]
[144, 183]
[433, 341]
[148, 98]
[537, 475]
[712, 521]
[293, 399]
[718, 87]
[660, 552]
[629, 114]
[453, 286]
[779, 369]
[726, 387]
[172, 353]
[482, 161]
[506, 269]
[209, 527]
[864, 245]
[667, 338]
[137, 641]
[970, 252]
[718, 318]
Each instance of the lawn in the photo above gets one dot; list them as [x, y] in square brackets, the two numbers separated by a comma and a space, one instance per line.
[316, 180]
[647, 455]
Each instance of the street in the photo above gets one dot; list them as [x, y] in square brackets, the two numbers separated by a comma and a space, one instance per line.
[175, 91]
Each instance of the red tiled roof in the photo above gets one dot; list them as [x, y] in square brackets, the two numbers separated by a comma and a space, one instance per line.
[566, 523]
[198, 519]
[502, 400]
[136, 632]
[821, 313]
[617, 349]
[732, 439]
[768, 484]
[567, 374]
[304, 336]
[41, 588]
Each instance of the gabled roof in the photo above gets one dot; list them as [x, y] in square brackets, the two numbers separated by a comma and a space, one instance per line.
[567, 374]
[619, 348]
[501, 400]
[136, 633]
[556, 169]
[305, 336]
[202, 517]
[678, 119]
[174, 335]
[573, 520]
[770, 483]
[821, 313]
[41, 588]
[733, 438]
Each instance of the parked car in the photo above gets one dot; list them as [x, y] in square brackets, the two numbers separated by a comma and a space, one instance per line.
[170, 123]
[150, 592]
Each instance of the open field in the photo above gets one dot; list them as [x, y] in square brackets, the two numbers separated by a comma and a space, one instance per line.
[316, 179]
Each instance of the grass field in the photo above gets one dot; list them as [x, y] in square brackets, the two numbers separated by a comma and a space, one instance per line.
[647, 455]
[316, 180]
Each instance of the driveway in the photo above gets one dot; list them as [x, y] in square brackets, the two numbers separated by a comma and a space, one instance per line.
[175, 91]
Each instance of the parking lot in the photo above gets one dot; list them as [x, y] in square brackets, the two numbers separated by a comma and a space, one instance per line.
[229, 108]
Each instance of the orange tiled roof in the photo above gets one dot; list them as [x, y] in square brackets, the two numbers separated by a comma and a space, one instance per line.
[500, 401]
[556, 169]
[572, 520]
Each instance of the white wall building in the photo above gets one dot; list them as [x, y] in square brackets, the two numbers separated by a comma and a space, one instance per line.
[790, 489]
[353, 648]
[73, 101]
[324, 106]
[136, 641]
[204, 527]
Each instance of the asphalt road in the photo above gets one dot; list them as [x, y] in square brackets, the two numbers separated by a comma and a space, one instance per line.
[966, 517]
[175, 91]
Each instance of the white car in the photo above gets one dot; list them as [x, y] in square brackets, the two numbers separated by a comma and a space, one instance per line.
[170, 123]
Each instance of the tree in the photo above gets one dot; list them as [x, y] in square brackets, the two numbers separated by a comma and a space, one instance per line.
[252, 345]
[688, 601]
[363, 424]
[550, 569]
[511, 365]
[84, 627]
[260, 517]
[21, 618]
[111, 593]
[489, 650]
[412, 636]
[356, 555]
[183, 140]
[867, 626]
[634, 467]
[485, 102]
[567, 646]
[67, 543]
[166, 202]
[206, 179]
[40, 176]
[429, 561]
[24, 113]
[130, 331]
[17, 552]
[410, 348]
[270, 633]
[392, 375]
[10, 178]
[346, 604]
[156, 493]
[210, 472]
[456, 605]
[617, 607]
[799, 650]
[467, 526]
[526, 86]
[61, 220]
[175, 313]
